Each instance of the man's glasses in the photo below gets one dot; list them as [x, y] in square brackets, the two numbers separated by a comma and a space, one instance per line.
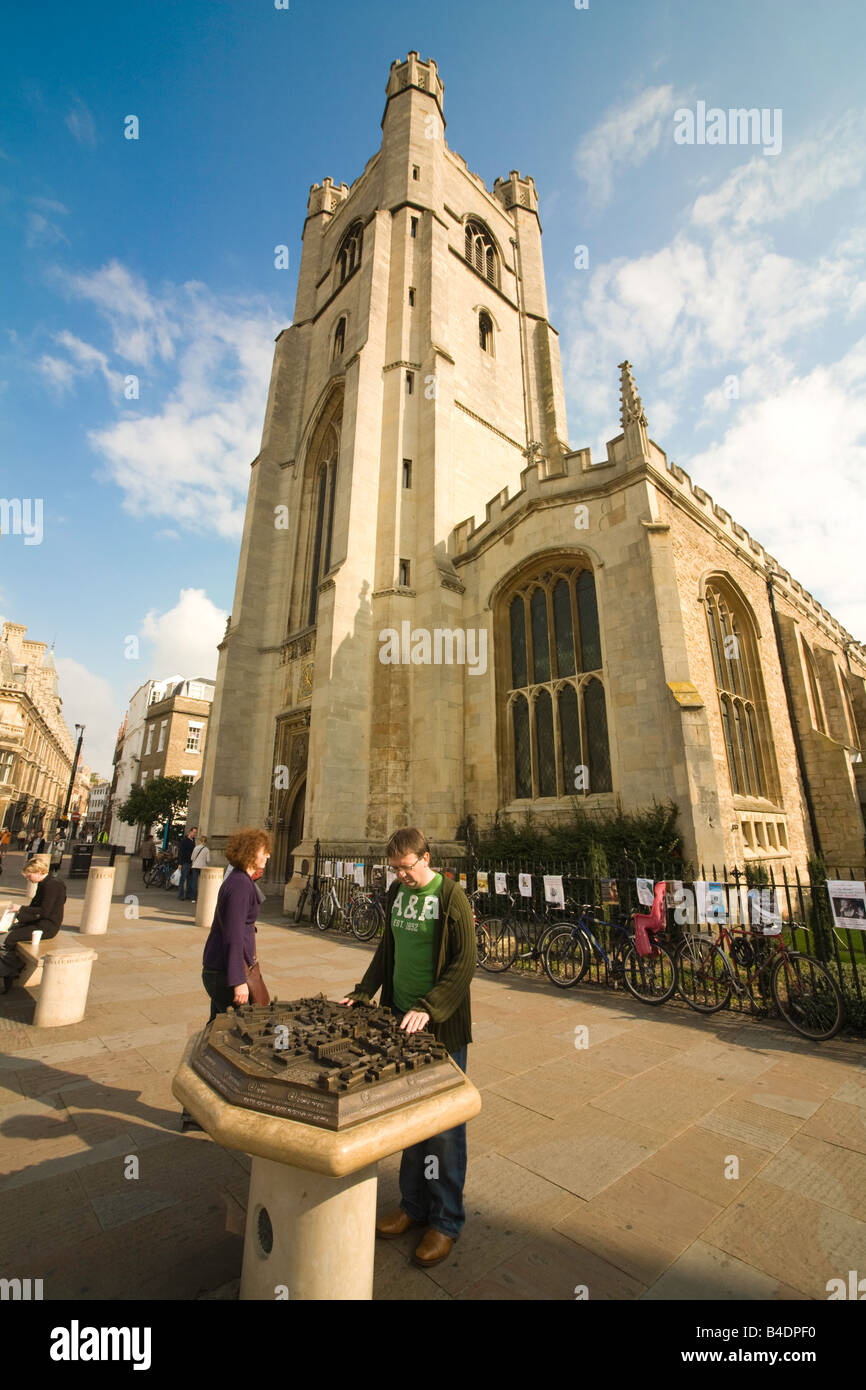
[406, 868]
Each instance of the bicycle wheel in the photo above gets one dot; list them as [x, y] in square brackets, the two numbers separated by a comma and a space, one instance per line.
[565, 958]
[652, 978]
[807, 996]
[703, 974]
[302, 903]
[502, 945]
[482, 943]
[324, 912]
[363, 919]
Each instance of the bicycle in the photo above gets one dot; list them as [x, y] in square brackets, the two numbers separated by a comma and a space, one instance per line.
[158, 874]
[650, 978]
[803, 990]
[505, 934]
[367, 913]
[482, 940]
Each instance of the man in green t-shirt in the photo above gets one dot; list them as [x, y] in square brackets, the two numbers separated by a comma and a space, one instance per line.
[424, 965]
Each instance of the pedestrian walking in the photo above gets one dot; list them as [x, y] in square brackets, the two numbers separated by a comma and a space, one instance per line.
[200, 860]
[148, 853]
[424, 966]
[184, 858]
[229, 962]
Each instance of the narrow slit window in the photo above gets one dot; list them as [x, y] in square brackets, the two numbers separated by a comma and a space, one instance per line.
[413, 227]
[410, 383]
[404, 574]
[407, 472]
[411, 296]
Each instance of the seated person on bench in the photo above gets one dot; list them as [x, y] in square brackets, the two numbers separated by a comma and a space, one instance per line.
[44, 913]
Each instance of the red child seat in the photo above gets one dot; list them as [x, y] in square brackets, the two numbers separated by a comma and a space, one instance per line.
[646, 922]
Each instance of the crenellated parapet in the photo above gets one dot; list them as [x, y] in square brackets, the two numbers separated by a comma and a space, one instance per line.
[579, 474]
[516, 191]
[416, 72]
[326, 197]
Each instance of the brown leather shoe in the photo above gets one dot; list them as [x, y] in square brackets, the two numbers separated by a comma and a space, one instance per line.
[395, 1224]
[434, 1248]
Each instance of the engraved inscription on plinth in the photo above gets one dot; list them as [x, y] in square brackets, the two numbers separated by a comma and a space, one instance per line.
[321, 1063]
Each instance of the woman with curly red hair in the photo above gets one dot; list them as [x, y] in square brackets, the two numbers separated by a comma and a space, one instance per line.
[230, 950]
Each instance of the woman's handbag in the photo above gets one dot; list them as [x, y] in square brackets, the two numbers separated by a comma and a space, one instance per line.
[257, 987]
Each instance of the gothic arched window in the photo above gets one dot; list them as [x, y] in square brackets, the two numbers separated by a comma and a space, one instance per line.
[480, 251]
[339, 340]
[349, 254]
[818, 714]
[485, 332]
[742, 701]
[324, 492]
[555, 710]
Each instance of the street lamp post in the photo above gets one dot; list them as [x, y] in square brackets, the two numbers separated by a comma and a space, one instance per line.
[79, 728]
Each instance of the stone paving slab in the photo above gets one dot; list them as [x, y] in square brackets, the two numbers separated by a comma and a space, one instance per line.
[600, 1165]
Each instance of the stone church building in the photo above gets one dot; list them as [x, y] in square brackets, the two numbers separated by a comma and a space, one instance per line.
[444, 610]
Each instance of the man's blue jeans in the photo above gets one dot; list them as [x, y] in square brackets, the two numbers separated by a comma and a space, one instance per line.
[432, 1173]
[184, 875]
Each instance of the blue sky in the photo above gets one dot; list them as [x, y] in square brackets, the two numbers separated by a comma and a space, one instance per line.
[733, 280]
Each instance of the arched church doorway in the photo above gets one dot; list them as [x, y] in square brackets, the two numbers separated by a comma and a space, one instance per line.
[296, 826]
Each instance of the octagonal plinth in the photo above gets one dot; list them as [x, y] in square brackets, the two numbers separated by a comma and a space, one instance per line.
[311, 1214]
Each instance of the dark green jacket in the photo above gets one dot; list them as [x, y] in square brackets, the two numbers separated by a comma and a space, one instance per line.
[447, 1002]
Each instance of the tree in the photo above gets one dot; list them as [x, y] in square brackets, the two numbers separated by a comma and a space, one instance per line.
[161, 799]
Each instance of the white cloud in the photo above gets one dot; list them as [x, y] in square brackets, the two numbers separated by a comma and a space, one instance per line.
[185, 637]
[769, 472]
[625, 137]
[182, 455]
[143, 326]
[41, 231]
[62, 374]
[81, 123]
[766, 190]
[90, 700]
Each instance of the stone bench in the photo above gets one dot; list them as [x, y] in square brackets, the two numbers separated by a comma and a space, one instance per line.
[63, 971]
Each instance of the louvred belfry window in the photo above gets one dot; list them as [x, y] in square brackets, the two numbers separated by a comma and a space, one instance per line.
[480, 251]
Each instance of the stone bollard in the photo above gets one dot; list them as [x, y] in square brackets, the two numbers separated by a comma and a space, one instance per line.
[209, 881]
[121, 873]
[65, 982]
[97, 902]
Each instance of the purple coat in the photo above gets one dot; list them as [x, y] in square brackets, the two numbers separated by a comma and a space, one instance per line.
[231, 944]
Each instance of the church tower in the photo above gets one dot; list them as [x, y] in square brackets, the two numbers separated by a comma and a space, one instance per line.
[419, 375]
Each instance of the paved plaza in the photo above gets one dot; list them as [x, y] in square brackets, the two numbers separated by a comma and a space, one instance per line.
[606, 1168]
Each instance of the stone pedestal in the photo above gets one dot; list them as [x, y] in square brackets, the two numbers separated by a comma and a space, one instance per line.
[209, 881]
[121, 873]
[65, 983]
[309, 1237]
[292, 892]
[97, 902]
[310, 1230]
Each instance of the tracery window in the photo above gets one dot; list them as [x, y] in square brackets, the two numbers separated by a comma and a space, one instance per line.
[480, 251]
[324, 492]
[742, 701]
[555, 707]
[349, 254]
[818, 714]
